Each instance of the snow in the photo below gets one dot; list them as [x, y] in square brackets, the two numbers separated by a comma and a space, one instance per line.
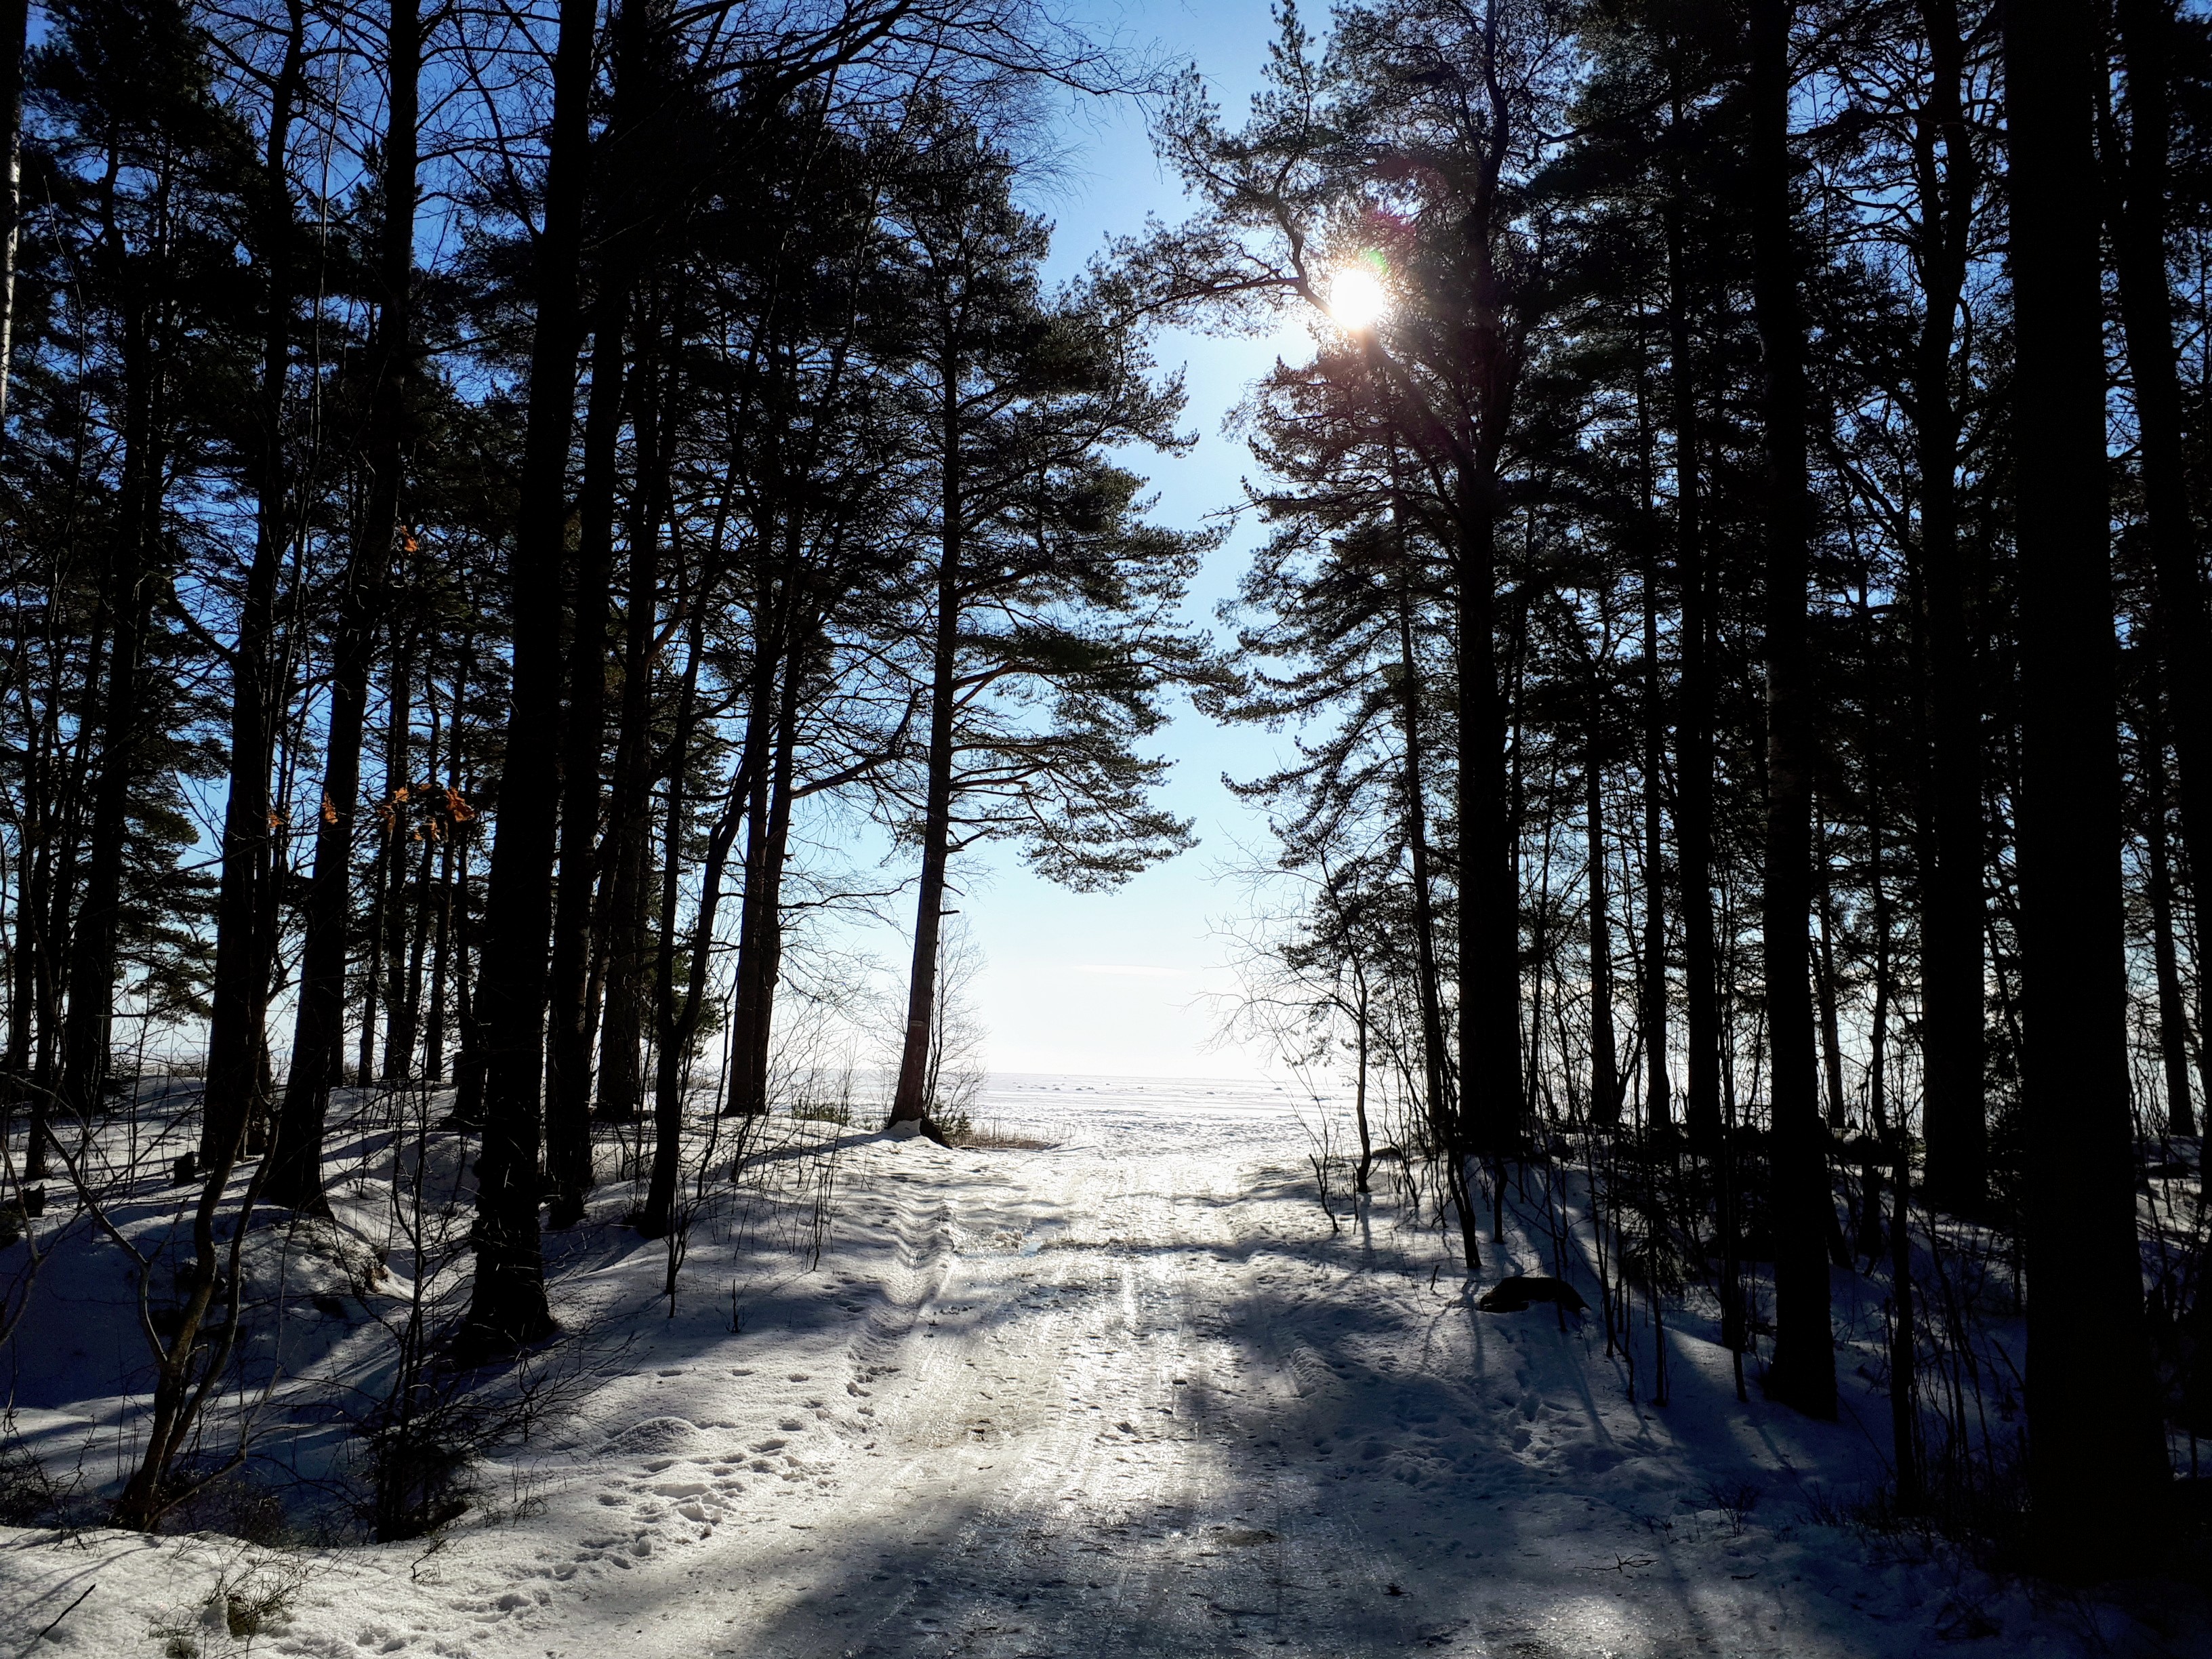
[1126, 1393]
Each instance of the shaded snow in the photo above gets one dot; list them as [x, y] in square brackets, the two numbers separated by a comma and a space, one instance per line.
[1128, 1395]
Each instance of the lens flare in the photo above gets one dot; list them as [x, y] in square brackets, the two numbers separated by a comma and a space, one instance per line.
[1357, 298]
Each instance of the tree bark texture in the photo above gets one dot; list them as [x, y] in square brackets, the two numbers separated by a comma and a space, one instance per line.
[2096, 1449]
[1954, 1121]
[1803, 1371]
[507, 1307]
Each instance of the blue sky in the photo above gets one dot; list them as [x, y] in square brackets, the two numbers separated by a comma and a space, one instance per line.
[1125, 982]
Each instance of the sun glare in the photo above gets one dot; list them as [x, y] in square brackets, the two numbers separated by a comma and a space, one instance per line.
[1357, 298]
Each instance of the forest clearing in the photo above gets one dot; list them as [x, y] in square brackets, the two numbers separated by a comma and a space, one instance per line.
[1128, 1392]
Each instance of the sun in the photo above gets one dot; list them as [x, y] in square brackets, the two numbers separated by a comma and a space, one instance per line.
[1357, 298]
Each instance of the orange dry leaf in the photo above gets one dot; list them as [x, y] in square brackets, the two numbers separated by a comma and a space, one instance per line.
[330, 813]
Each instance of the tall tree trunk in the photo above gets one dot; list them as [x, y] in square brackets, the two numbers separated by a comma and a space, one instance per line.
[760, 959]
[1803, 1372]
[55, 874]
[391, 949]
[2172, 1011]
[1443, 1120]
[1824, 984]
[2182, 629]
[622, 1025]
[1954, 1122]
[1605, 1071]
[1693, 807]
[506, 1306]
[1415, 785]
[241, 994]
[1904, 1353]
[1659, 1088]
[569, 1089]
[1490, 1102]
[441, 948]
[29, 965]
[128, 587]
[15, 32]
[772, 685]
[469, 1058]
[680, 1026]
[678, 1017]
[908, 1104]
[2096, 1450]
[1877, 1125]
[629, 823]
[372, 970]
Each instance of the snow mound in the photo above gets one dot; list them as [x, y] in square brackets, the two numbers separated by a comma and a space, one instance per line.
[655, 1434]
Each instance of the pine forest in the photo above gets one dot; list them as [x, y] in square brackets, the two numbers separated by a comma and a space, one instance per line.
[554, 555]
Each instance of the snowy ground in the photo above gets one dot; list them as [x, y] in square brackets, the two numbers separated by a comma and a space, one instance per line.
[1127, 1394]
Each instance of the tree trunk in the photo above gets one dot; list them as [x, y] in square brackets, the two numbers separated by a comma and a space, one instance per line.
[1693, 807]
[908, 1104]
[772, 686]
[1488, 883]
[2182, 629]
[569, 1089]
[1954, 1122]
[441, 948]
[233, 1098]
[507, 1307]
[629, 825]
[1659, 1088]
[1443, 1120]
[678, 1018]
[761, 934]
[127, 598]
[1877, 1124]
[2173, 1012]
[1904, 1413]
[1825, 988]
[391, 949]
[682, 1025]
[1415, 785]
[2096, 1449]
[1605, 1071]
[1803, 1371]
[1361, 1027]
[14, 31]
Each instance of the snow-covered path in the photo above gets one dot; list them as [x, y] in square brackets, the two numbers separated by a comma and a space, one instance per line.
[1129, 1396]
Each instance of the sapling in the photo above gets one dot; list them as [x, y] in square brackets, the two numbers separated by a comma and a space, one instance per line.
[187, 1368]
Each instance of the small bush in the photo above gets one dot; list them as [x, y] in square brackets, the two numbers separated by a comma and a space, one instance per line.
[422, 1475]
[249, 1600]
[238, 1505]
[28, 1495]
[993, 1136]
